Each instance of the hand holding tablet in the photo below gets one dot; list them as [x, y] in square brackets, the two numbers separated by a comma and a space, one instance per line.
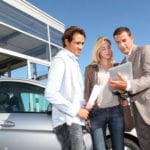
[125, 69]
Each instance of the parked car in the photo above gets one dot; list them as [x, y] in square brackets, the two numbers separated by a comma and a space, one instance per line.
[25, 119]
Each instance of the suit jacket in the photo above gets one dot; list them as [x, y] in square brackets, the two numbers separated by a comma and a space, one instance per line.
[91, 78]
[140, 85]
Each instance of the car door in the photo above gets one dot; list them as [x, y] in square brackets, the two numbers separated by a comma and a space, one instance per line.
[24, 121]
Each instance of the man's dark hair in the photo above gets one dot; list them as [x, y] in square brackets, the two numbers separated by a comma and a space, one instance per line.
[69, 32]
[119, 30]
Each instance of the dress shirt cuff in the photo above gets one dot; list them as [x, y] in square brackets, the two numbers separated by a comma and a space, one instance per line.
[73, 111]
[128, 88]
[76, 110]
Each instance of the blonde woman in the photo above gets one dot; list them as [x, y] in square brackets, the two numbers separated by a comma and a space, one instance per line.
[107, 111]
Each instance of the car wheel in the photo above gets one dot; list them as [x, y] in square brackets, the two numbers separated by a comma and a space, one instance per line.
[129, 144]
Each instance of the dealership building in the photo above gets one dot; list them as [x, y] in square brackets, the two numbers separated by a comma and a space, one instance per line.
[29, 39]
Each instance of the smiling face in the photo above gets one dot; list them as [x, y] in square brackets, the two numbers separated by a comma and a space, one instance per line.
[76, 45]
[124, 42]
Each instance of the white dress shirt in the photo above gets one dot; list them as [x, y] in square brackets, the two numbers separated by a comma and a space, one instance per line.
[65, 88]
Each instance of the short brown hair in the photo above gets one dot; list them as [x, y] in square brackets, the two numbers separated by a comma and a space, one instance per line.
[69, 32]
[119, 30]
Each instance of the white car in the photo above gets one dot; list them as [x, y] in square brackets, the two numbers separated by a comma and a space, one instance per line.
[25, 119]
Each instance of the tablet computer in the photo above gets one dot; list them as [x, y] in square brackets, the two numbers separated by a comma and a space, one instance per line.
[125, 69]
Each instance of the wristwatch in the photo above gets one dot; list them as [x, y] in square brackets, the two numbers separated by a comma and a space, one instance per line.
[124, 96]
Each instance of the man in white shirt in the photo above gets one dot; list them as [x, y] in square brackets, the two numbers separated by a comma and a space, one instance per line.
[65, 91]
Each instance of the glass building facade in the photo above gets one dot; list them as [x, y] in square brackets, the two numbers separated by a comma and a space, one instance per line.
[28, 42]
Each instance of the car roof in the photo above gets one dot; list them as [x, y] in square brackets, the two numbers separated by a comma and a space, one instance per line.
[22, 80]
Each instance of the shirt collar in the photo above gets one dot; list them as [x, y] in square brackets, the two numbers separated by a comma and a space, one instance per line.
[129, 52]
[71, 55]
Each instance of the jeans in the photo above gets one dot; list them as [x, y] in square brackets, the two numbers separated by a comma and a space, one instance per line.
[70, 137]
[111, 117]
[98, 139]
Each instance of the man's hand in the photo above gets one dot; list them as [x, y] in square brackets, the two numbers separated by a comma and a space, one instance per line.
[83, 113]
[120, 84]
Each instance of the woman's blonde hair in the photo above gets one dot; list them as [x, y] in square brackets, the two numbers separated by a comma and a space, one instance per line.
[97, 48]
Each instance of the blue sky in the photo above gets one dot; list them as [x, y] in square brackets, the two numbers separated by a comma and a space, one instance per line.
[100, 18]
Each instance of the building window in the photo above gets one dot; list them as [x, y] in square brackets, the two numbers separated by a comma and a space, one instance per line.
[55, 36]
[40, 51]
[22, 21]
[39, 72]
[54, 50]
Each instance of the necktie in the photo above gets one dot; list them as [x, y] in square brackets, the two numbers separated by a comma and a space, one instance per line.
[127, 58]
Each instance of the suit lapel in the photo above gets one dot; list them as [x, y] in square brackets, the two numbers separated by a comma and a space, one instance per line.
[134, 54]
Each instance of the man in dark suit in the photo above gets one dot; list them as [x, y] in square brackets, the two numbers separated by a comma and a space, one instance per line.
[139, 87]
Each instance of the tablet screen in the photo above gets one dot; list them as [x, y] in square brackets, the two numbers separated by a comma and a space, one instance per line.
[125, 69]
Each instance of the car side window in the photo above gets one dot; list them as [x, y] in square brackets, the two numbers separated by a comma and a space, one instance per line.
[34, 102]
[22, 97]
